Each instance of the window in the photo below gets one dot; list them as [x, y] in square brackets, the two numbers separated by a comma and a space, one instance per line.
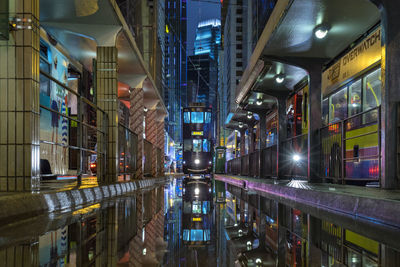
[196, 207]
[196, 235]
[196, 145]
[338, 106]
[355, 98]
[197, 117]
[207, 117]
[206, 145]
[206, 207]
[185, 232]
[372, 92]
[187, 145]
[186, 117]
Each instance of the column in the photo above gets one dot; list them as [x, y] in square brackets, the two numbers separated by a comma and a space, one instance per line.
[151, 136]
[242, 142]
[282, 226]
[107, 100]
[314, 122]
[263, 130]
[251, 138]
[390, 92]
[136, 114]
[160, 145]
[19, 103]
[282, 135]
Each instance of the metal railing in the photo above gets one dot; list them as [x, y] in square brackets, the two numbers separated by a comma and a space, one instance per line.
[127, 151]
[83, 136]
[295, 157]
[268, 162]
[351, 148]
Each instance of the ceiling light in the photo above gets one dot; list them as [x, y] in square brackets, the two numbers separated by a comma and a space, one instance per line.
[280, 78]
[249, 115]
[259, 102]
[145, 109]
[321, 31]
[240, 125]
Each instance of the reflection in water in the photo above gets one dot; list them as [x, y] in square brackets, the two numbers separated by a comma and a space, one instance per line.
[197, 223]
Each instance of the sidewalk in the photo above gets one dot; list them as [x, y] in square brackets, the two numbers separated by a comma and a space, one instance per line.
[372, 204]
[66, 195]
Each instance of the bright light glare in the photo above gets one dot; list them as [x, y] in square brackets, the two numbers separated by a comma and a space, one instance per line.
[259, 102]
[321, 33]
[248, 243]
[196, 161]
[196, 191]
[279, 79]
[258, 260]
[296, 157]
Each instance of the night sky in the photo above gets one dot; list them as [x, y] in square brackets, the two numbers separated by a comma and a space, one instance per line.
[198, 11]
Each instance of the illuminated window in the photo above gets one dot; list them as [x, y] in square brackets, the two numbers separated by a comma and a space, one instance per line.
[355, 98]
[338, 106]
[186, 235]
[196, 235]
[372, 91]
[196, 207]
[196, 145]
[187, 145]
[197, 117]
[207, 117]
[186, 117]
[206, 145]
[206, 207]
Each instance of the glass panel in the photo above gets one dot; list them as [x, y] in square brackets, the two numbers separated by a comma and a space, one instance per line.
[325, 111]
[206, 235]
[187, 145]
[185, 235]
[372, 95]
[206, 145]
[196, 207]
[338, 106]
[207, 117]
[206, 207]
[196, 235]
[186, 117]
[197, 117]
[196, 145]
[187, 207]
[355, 98]
[372, 92]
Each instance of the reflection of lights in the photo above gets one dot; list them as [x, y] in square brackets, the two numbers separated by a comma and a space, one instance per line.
[296, 157]
[196, 161]
[144, 251]
[196, 191]
[259, 102]
[184, 162]
[249, 115]
[240, 232]
[258, 261]
[321, 31]
[209, 162]
[280, 78]
[171, 144]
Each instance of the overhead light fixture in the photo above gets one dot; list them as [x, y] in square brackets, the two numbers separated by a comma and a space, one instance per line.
[259, 102]
[296, 157]
[145, 109]
[280, 78]
[249, 115]
[321, 31]
[240, 125]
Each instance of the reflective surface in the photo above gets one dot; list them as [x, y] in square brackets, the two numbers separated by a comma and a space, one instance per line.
[197, 223]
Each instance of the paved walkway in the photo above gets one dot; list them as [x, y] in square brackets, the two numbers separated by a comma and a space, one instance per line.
[373, 204]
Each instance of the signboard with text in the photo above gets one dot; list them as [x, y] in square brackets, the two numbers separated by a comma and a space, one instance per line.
[362, 56]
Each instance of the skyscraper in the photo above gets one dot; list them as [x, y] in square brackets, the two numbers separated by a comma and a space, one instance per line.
[175, 66]
[208, 38]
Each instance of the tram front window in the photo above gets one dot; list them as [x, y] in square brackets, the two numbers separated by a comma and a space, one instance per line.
[196, 207]
[186, 117]
[187, 144]
[196, 145]
[207, 116]
[197, 117]
[206, 145]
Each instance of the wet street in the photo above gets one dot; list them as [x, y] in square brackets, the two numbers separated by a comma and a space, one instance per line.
[186, 223]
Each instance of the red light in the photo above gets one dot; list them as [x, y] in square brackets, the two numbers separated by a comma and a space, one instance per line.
[92, 165]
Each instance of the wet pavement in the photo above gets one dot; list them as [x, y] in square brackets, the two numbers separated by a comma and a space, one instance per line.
[192, 223]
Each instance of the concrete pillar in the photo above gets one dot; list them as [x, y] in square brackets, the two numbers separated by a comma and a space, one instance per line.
[136, 114]
[107, 100]
[282, 226]
[160, 145]
[390, 14]
[251, 139]
[242, 142]
[112, 234]
[315, 122]
[314, 239]
[263, 129]
[282, 135]
[19, 103]
[151, 135]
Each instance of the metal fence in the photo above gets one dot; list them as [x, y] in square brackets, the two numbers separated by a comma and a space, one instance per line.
[71, 144]
[351, 148]
[295, 157]
[268, 162]
[127, 151]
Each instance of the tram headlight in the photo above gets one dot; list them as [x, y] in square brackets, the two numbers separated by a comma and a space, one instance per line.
[197, 191]
[196, 161]
[184, 162]
[296, 157]
[209, 163]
